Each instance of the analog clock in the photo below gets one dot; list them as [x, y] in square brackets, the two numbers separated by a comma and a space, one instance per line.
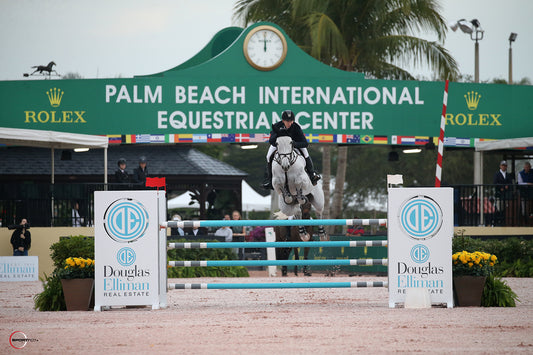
[265, 48]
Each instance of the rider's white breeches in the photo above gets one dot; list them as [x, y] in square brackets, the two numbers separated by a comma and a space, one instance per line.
[272, 149]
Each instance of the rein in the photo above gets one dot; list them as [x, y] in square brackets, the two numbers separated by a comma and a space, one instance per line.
[292, 156]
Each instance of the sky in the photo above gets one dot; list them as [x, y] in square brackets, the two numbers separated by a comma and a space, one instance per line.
[123, 38]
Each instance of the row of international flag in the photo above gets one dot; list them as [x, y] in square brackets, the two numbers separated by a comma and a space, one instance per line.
[262, 138]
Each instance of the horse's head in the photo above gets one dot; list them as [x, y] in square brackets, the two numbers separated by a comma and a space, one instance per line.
[285, 151]
[51, 64]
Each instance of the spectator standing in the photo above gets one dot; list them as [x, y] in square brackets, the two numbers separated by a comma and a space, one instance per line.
[504, 192]
[121, 175]
[76, 219]
[503, 178]
[525, 177]
[525, 182]
[21, 238]
[141, 172]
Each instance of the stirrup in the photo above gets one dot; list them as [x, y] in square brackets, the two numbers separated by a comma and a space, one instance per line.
[314, 178]
[267, 185]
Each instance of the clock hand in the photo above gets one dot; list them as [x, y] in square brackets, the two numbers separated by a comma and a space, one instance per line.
[265, 41]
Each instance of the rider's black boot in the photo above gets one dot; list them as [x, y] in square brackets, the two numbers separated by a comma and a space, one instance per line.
[267, 182]
[310, 169]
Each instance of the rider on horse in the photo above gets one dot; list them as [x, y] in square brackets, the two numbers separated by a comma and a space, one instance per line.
[287, 127]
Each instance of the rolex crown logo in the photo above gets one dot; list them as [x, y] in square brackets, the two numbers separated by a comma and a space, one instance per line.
[54, 96]
[472, 100]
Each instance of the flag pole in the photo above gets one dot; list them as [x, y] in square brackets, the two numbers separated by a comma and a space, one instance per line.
[438, 172]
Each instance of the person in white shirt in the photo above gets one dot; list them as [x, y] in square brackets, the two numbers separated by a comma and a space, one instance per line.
[225, 232]
[76, 219]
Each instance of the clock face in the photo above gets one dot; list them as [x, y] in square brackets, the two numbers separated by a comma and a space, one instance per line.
[265, 48]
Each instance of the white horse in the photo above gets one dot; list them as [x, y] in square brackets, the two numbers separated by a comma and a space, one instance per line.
[293, 185]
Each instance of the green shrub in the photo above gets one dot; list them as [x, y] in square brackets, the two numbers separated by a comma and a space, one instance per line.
[51, 299]
[515, 255]
[517, 268]
[74, 246]
[498, 294]
[204, 254]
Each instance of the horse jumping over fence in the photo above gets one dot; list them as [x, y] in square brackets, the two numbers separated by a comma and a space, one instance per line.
[293, 185]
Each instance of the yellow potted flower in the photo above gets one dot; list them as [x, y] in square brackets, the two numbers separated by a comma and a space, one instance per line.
[470, 270]
[77, 279]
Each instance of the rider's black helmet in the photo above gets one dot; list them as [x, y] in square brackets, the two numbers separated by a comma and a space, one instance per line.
[121, 161]
[287, 115]
[142, 159]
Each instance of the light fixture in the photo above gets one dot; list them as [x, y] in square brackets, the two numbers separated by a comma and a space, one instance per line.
[249, 146]
[512, 38]
[473, 28]
[470, 27]
[81, 150]
[413, 150]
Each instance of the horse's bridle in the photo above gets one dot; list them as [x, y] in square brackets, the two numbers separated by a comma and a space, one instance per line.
[292, 156]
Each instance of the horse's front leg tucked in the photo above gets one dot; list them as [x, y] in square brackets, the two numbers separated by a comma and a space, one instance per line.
[287, 197]
[302, 199]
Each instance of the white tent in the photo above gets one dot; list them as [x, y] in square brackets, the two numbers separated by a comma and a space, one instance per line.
[251, 200]
[183, 201]
[504, 144]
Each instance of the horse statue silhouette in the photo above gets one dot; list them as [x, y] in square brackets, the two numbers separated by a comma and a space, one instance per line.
[45, 68]
[293, 185]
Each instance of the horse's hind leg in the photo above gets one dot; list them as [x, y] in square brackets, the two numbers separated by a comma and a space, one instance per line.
[307, 272]
[296, 257]
[322, 234]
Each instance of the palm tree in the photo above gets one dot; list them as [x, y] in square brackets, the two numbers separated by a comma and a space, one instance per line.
[375, 37]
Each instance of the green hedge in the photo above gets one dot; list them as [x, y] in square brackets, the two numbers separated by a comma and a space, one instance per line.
[204, 254]
[515, 255]
[52, 299]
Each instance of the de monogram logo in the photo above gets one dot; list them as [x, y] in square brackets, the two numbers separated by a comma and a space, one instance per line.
[420, 253]
[126, 256]
[420, 217]
[126, 220]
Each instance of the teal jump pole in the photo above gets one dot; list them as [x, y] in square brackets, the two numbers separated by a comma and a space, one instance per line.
[360, 262]
[317, 244]
[274, 222]
[273, 285]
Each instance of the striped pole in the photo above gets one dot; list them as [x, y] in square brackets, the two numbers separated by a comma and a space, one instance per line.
[221, 286]
[275, 222]
[317, 244]
[438, 173]
[342, 262]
